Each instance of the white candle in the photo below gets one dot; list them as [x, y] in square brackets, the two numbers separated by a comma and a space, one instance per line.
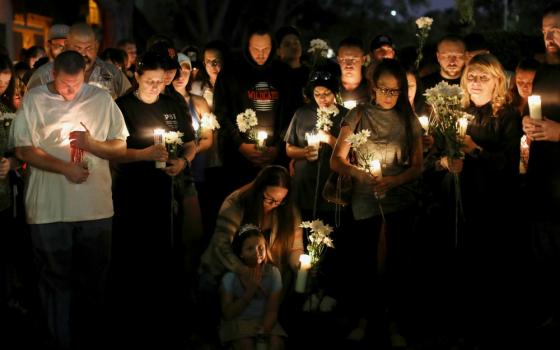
[349, 104]
[535, 107]
[375, 169]
[301, 278]
[425, 122]
[159, 136]
[314, 141]
[463, 123]
[261, 136]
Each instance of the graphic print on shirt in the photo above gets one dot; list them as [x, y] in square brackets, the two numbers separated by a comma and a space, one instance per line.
[264, 96]
[171, 121]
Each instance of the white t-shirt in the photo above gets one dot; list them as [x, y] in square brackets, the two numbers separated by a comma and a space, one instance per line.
[45, 121]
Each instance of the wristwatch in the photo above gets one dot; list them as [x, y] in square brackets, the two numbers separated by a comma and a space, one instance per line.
[476, 152]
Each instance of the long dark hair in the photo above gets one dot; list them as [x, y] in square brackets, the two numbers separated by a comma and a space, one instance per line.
[7, 98]
[222, 49]
[252, 200]
[394, 68]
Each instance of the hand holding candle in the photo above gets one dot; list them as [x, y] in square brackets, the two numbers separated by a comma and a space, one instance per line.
[261, 137]
[535, 107]
[314, 142]
[463, 124]
[301, 278]
[375, 170]
[425, 122]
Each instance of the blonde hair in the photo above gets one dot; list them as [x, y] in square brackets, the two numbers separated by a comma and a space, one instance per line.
[489, 64]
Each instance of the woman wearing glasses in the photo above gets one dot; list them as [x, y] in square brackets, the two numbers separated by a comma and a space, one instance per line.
[267, 202]
[380, 202]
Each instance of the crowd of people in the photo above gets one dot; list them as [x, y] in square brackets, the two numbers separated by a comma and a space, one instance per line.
[153, 217]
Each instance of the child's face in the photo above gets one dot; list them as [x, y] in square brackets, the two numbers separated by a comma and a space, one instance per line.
[253, 252]
[387, 91]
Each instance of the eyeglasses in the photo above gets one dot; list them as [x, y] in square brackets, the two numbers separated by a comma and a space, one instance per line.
[481, 78]
[271, 201]
[388, 92]
[213, 63]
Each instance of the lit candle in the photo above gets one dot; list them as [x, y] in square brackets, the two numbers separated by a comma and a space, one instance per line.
[349, 104]
[159, 136]
[425, 122]
[261, 136]
[463, 123]
[375, 170]
[535, 107]
[301, 278]
[313, 141]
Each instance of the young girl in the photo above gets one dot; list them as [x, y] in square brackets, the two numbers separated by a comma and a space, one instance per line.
[396, 141]
[249, 310]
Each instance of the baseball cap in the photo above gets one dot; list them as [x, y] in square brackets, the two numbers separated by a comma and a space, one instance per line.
[182, 58]
[379, 41]
[58, 31]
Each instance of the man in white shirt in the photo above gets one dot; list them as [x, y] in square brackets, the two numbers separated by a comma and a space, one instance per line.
[68, 200]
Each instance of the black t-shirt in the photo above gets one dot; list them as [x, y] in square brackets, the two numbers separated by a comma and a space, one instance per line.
[429, 81]
[305, 180]
[141, 120]
[361, 94]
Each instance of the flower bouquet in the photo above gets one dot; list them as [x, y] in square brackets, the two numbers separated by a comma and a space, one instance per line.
[207, 122]
[318, 238]
[324, 117]
[247, 122]
[173, 139]
[358, 143]
[424, 25]
[447, 125]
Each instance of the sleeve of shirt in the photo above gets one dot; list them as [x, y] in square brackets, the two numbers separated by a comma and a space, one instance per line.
[276, 280]
[291, 133]
[117, 127]
[37, 78]
[227, 282]
[352, 118]
[228, 222]
[22, 135]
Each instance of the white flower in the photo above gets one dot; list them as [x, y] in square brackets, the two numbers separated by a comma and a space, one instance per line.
[324, 115]
[319, 46]
[246, 120]
[318, 238]
[358, 139]
[209, 122]
[424, 22]
[173, 138]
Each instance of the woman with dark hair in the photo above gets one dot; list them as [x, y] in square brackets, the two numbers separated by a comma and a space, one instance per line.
[268, 203]
[214, 57]
[381, 203]
[523, 87]
[144, 198]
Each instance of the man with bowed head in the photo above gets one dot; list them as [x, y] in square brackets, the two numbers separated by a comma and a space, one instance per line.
[258, 83]
[69, 203]
[81, 38]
